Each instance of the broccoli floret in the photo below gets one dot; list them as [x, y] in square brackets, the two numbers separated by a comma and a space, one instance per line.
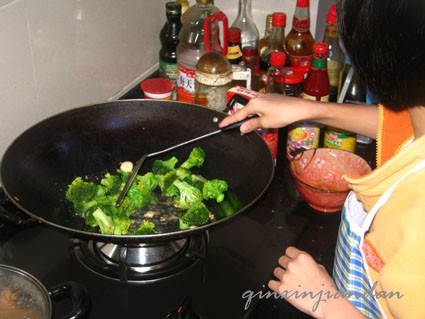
[188, 195]
[198, 181]
[214, 189]
[82, 194]
[196, 215]
[165, 183]
[196, 158]
[160, 167]
[145, 228]
[115, 225]
[184, 174]
[113, 183]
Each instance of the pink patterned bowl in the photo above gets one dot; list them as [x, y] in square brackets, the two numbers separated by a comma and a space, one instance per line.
[318, 176]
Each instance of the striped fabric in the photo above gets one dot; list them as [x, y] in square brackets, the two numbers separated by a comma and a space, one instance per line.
[350, 274]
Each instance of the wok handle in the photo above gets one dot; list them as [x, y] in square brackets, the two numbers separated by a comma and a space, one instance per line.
[80, 299]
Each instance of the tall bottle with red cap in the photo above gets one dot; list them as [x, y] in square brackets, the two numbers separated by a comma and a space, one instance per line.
[299, 41]
[276, 73]
[277, 39]
[336, 55]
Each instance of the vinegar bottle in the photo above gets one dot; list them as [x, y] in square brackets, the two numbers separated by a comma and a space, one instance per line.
[277, 38]
[299, 41]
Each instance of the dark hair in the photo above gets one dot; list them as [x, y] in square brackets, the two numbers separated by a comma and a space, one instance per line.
[385, 40]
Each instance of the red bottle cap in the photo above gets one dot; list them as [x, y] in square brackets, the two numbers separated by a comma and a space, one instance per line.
[278, 58]
[303, 3]
[320, 48]
[157, 88]
[331, 17]
[278, 19]
[249, 51]
[234, 35]
[293, 76]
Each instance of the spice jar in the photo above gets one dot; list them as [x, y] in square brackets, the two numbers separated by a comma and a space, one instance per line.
[213, 77]
[158, 89]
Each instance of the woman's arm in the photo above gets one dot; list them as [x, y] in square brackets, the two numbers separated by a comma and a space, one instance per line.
[278, 111]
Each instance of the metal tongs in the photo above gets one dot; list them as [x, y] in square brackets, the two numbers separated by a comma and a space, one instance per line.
[235, 99]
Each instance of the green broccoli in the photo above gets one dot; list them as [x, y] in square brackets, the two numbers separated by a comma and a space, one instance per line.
[160, 167]
[113, 183]
[196, 158]
[82, 194]
[188, 195]
[115, 225]
[198, 181]
[141, 192]
[165, 183]
[145, 228]
[183, 174]
[214, 189]
[196, 215]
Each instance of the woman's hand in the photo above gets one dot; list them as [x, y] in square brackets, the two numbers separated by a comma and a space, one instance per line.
[274, 111]
[308, 287]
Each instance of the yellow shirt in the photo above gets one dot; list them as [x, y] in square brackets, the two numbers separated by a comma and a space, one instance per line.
[394, 244]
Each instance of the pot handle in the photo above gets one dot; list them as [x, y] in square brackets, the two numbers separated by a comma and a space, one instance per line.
[78, 295]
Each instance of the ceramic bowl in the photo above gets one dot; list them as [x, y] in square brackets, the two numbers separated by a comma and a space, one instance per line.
[318, 176]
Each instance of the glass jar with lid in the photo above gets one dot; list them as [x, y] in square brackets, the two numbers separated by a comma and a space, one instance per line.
[213, 77]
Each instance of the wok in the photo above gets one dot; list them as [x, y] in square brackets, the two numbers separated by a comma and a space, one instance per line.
[92, 140]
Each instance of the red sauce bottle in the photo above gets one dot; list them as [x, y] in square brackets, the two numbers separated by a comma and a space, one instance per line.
[316, 85]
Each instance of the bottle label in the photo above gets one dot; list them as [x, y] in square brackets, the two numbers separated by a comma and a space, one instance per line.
[324, 98]
[168, 70]
[302, 137]
[301, 62]
[301, 25]
[185, 84]
[234, 52]
[340, 140]
[213, 79]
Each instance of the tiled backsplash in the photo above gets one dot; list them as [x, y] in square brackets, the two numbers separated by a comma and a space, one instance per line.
[60, 54]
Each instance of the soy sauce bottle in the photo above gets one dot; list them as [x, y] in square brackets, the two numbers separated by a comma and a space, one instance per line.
[169, 36]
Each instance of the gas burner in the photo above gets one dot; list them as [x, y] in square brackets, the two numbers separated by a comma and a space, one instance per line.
[141, 262]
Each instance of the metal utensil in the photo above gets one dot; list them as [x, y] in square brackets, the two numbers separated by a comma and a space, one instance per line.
[140, 161]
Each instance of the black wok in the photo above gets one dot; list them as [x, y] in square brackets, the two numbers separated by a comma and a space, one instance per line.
[93, 140]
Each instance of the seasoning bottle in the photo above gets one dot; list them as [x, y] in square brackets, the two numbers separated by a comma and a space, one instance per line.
[299, 41]
[316, 85]
[245, 22]
[293, 82]
[199, 32]
[169, 36]
[234, 50]
[213, 78]
[336, 55]
[264, 41]
[276, 73]
[249, 54]
[277, 38]
[258, 77]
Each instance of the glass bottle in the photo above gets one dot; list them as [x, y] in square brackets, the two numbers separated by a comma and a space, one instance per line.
[336, 55]
[245, 22]
[257, 82]
[264, 41]
[213, 77]
[276, 73]
[198, 18]
[277, 39]
[234, 50]
[293, 82]
[249, 55]
[185, 5]
[169, 36]
[299, 41]
[316, 85]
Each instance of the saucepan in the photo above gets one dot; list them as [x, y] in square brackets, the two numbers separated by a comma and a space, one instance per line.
[24, 296]
[92, 140]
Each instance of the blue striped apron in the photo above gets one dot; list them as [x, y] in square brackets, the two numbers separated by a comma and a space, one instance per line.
[351, 273]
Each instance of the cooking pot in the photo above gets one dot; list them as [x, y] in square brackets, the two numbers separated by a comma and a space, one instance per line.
[92, 140]
[23, 296]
